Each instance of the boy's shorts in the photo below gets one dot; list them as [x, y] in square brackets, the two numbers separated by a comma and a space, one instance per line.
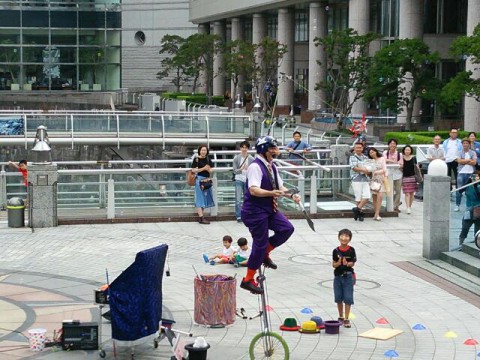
[239, 259]
[361, 190]
[343, 288]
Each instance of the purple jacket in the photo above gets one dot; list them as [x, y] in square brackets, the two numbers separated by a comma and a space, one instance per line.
[252, 204]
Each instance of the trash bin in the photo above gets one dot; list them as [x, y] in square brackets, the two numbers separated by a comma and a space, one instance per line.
[197, 353]
[215, 300]
[15, 212]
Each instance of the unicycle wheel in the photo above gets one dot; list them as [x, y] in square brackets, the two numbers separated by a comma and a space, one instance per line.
[269, 345]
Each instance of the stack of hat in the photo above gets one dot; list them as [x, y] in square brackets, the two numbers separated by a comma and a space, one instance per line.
[290, 324]
[309, 327]
[318, 320]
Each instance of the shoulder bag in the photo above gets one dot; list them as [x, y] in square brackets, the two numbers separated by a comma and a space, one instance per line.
[191, 177]
[243, 162]
[418, 173]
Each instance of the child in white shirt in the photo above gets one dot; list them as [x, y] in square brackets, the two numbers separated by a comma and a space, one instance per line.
[227, 254]
[243, 252]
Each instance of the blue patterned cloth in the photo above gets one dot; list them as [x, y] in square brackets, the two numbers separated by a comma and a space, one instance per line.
[136, 296]
[11, 126]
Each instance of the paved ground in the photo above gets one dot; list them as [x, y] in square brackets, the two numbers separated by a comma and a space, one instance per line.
[50, 275]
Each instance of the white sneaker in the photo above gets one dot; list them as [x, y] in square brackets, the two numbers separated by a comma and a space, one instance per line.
[456, 209]
[409, 210]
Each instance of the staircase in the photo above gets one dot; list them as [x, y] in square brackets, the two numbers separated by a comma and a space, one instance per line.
[467, 259]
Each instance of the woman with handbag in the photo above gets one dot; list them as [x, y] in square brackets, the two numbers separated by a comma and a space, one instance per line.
[377, 187]
[202, 166]
[409, 180]
[240, 165]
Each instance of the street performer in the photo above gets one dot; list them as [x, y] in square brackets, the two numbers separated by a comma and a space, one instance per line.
[259, 211]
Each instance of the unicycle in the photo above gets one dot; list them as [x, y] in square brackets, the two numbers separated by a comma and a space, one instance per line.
[267, 344]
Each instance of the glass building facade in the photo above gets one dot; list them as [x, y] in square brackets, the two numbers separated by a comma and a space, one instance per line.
[60, 45]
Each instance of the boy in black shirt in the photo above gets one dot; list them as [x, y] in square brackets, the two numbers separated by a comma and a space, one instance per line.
[344, 259]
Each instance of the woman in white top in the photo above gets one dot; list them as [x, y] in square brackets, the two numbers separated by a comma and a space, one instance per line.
[378, 173]
[393, 157]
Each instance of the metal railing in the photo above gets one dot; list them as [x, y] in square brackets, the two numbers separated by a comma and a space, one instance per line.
[117, 128]
[114, 186]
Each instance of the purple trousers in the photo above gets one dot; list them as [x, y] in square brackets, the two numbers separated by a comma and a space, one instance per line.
[258, 224]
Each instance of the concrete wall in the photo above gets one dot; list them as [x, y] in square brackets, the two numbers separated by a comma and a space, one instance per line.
[141, 63]
[209, 10]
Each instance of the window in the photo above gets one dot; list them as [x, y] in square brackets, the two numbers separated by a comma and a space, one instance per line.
[272, 27]
[301, 26]
[446, 16]
[386, 15]
[140, 38]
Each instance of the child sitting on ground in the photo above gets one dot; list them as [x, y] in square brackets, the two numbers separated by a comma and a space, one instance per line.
[243, 253]
[226, 257]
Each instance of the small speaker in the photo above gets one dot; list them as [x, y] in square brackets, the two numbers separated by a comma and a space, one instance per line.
[79, 336]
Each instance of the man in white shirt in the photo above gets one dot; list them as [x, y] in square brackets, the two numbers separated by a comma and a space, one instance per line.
[466, 159]
[436, 151]
[451, 147]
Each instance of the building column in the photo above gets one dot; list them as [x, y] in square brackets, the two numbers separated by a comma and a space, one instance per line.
[286, 36]
[202, 78]
[316, 73]
[259, 31]
[410, 27]
[358, 19]
[218, 62]
[237, 34]
[472, 107]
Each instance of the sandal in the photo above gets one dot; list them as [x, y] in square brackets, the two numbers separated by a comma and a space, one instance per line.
[346, 323]
[341, 319]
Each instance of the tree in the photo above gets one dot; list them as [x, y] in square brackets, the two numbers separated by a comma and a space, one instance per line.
[170, 46]
[239, 58]
[195, 55]
[93, 54]
[270, 53]
[464, 83]
[402, 72]
[347, 63]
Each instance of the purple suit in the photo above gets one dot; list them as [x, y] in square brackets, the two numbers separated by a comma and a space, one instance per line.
[259, 217]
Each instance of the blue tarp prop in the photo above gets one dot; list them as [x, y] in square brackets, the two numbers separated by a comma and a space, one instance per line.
[11, 126]
[136, 296]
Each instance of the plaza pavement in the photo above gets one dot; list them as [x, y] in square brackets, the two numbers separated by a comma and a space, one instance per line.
[49, 275]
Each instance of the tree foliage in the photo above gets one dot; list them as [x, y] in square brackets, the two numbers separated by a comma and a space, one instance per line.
[193, 55]
[239, 60]
[270, 54]
[171, 63]
[464, 83]
[347, 63]
[402, 72]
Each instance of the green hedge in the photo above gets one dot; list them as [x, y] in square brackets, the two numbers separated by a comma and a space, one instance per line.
[420, 137]
[195, 98]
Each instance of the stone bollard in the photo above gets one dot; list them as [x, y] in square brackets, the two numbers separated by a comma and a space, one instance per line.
[436, 215]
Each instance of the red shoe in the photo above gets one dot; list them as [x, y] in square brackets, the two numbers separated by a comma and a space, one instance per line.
[251, 286]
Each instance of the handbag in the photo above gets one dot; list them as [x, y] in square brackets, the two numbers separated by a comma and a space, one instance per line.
[191, 177]
[206, 184]
[418, 174]
[375, 186]
[386, 184]
[243, 162]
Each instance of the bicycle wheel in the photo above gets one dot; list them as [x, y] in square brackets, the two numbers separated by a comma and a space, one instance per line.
[269, 345]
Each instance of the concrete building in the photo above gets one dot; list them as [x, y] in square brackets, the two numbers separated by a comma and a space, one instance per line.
[297, 23]
[86, 45]
[144, 23]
